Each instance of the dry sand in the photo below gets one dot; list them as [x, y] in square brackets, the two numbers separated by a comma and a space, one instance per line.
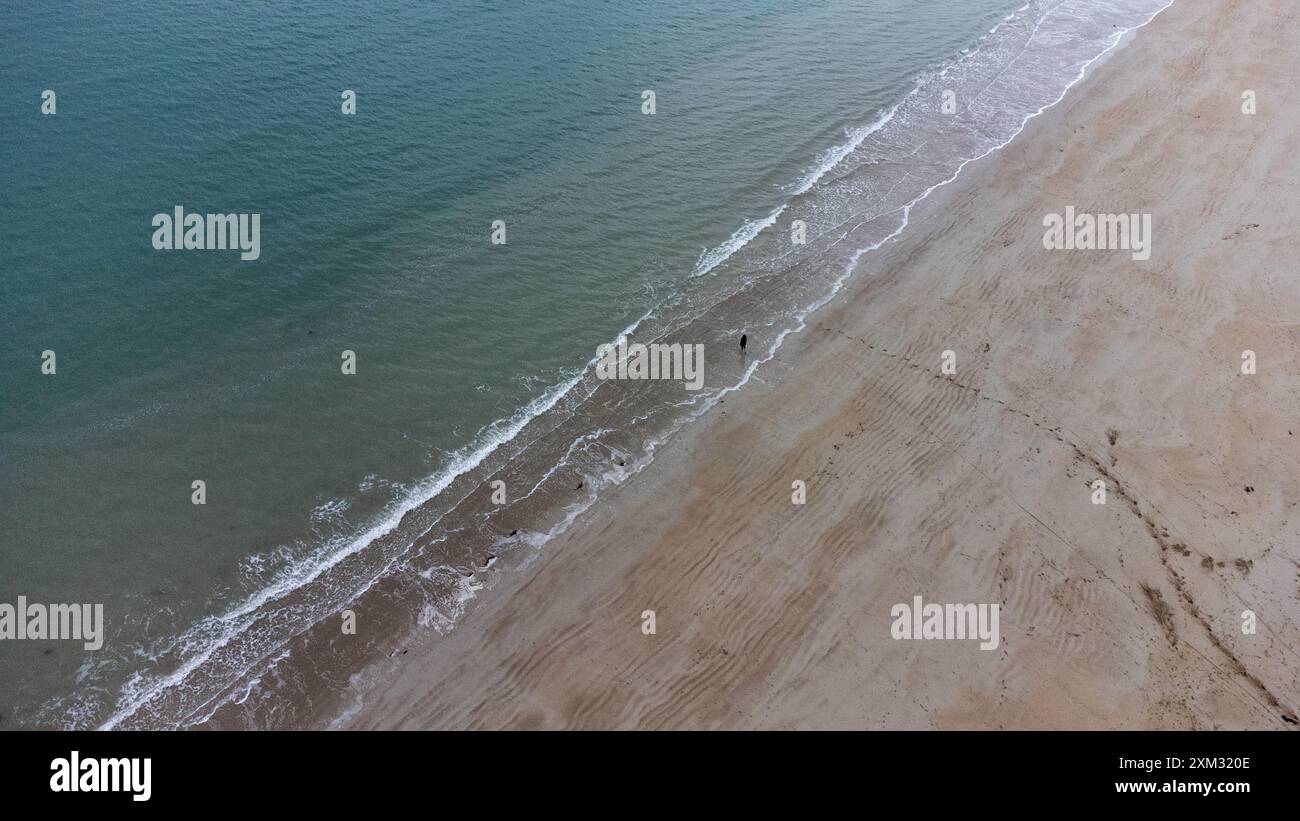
[1071, 366]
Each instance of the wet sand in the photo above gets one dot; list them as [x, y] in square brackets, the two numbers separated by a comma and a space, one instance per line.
[1071, 366]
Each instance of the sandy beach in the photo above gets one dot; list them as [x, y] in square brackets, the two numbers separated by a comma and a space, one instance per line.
[1071, 366]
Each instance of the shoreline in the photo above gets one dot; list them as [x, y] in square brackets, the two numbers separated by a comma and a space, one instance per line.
[970, 487]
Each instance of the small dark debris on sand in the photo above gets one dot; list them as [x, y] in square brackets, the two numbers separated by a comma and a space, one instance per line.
[1161, 610]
